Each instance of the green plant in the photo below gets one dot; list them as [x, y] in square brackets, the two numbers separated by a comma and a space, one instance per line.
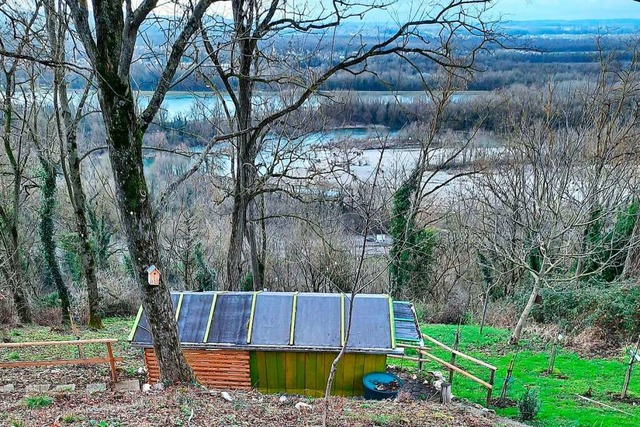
[14, 355]
[529, 404]
[37, 402]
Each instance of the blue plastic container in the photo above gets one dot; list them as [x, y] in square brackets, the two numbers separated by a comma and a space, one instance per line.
[370, 381]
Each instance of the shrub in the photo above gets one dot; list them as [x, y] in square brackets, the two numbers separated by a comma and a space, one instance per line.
[529, 405]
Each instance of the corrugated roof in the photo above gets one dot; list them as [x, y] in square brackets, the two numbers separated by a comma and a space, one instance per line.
[277, 320]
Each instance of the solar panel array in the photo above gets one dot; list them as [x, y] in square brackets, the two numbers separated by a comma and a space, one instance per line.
[277, 320]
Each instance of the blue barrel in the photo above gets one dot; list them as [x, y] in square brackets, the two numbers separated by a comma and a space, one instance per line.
[374, 385]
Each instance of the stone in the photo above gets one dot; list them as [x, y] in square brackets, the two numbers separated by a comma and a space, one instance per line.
[226, 396]
[146, 388]
[158, 386]
[38, 388]
[65, 387]
[96, 388]
[283, 399]
[8, 388]
[128, 386]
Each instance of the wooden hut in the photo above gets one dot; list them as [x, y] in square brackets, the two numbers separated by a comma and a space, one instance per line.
[280, 342]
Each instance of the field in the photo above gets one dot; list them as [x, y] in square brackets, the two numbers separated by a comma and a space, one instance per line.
[192, 406]
[573, 375]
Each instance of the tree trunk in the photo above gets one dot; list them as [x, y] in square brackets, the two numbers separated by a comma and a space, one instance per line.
[46, 236]
[236, 240]
[17, 288]
[125, 152]
[632, 262]
[517, 331]
[78, 201]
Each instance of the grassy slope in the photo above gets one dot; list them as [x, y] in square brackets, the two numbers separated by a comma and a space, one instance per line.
[560, 406]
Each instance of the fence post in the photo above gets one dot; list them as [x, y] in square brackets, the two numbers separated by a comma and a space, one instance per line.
[112, 363]
[453, 355]
[490, 390]
[627, 376]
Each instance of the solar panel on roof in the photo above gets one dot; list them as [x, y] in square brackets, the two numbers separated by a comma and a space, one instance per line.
[369, 322]
[405, 322]
[143, 332]
[272, 318]
[318, 320]
[230, 322]
[193, 317]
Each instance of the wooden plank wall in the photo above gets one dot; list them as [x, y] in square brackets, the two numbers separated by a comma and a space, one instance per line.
[307, 373]
[223, 369]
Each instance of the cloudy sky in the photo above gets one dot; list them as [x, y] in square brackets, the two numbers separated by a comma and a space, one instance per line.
[524, 10]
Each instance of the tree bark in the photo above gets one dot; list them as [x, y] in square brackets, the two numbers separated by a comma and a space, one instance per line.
[517, 331]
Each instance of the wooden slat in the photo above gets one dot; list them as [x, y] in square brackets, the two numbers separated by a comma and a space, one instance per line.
[455, 368]
[90, 361]
[217, 369]
[49, 343]
[459, 353]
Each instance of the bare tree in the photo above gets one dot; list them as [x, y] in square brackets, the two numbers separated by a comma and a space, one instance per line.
[246, 55]
[66, 125]
[109, 42]
[18, 32]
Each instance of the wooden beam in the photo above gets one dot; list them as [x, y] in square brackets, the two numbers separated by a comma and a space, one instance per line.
[49, 343]
[253, 310]
[213, 307]
[459, 353]
[293, 317]
[179, 305]
[455, 368]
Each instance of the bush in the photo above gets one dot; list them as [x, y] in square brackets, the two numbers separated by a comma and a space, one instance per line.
[613, 308]
[529, 405]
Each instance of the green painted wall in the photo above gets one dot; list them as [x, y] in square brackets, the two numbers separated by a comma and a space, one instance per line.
[307, 373]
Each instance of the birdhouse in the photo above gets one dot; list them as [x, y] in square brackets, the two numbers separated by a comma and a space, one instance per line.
[153, 275]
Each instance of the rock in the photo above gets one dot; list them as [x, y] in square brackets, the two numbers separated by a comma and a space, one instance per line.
[301, 405]
[283, 399]
[96, 388]
[158, 386]
[37, 388]
[141, 370]
[146, 388]
[226, 396]
[8, 388]
[128, 386]
[65, 387]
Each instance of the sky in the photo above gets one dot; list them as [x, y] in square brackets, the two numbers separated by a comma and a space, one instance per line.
[526, 10]
[510, 10]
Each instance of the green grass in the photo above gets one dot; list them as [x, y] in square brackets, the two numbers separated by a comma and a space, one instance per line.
[37, 402]
[573, 374]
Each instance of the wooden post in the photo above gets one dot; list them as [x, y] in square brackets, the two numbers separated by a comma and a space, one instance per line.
[445, 393]
[112, 363]
[492, 377]
[552, 356]
[507, 379]
[453, 355]
[627, 375]
[76, 333]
